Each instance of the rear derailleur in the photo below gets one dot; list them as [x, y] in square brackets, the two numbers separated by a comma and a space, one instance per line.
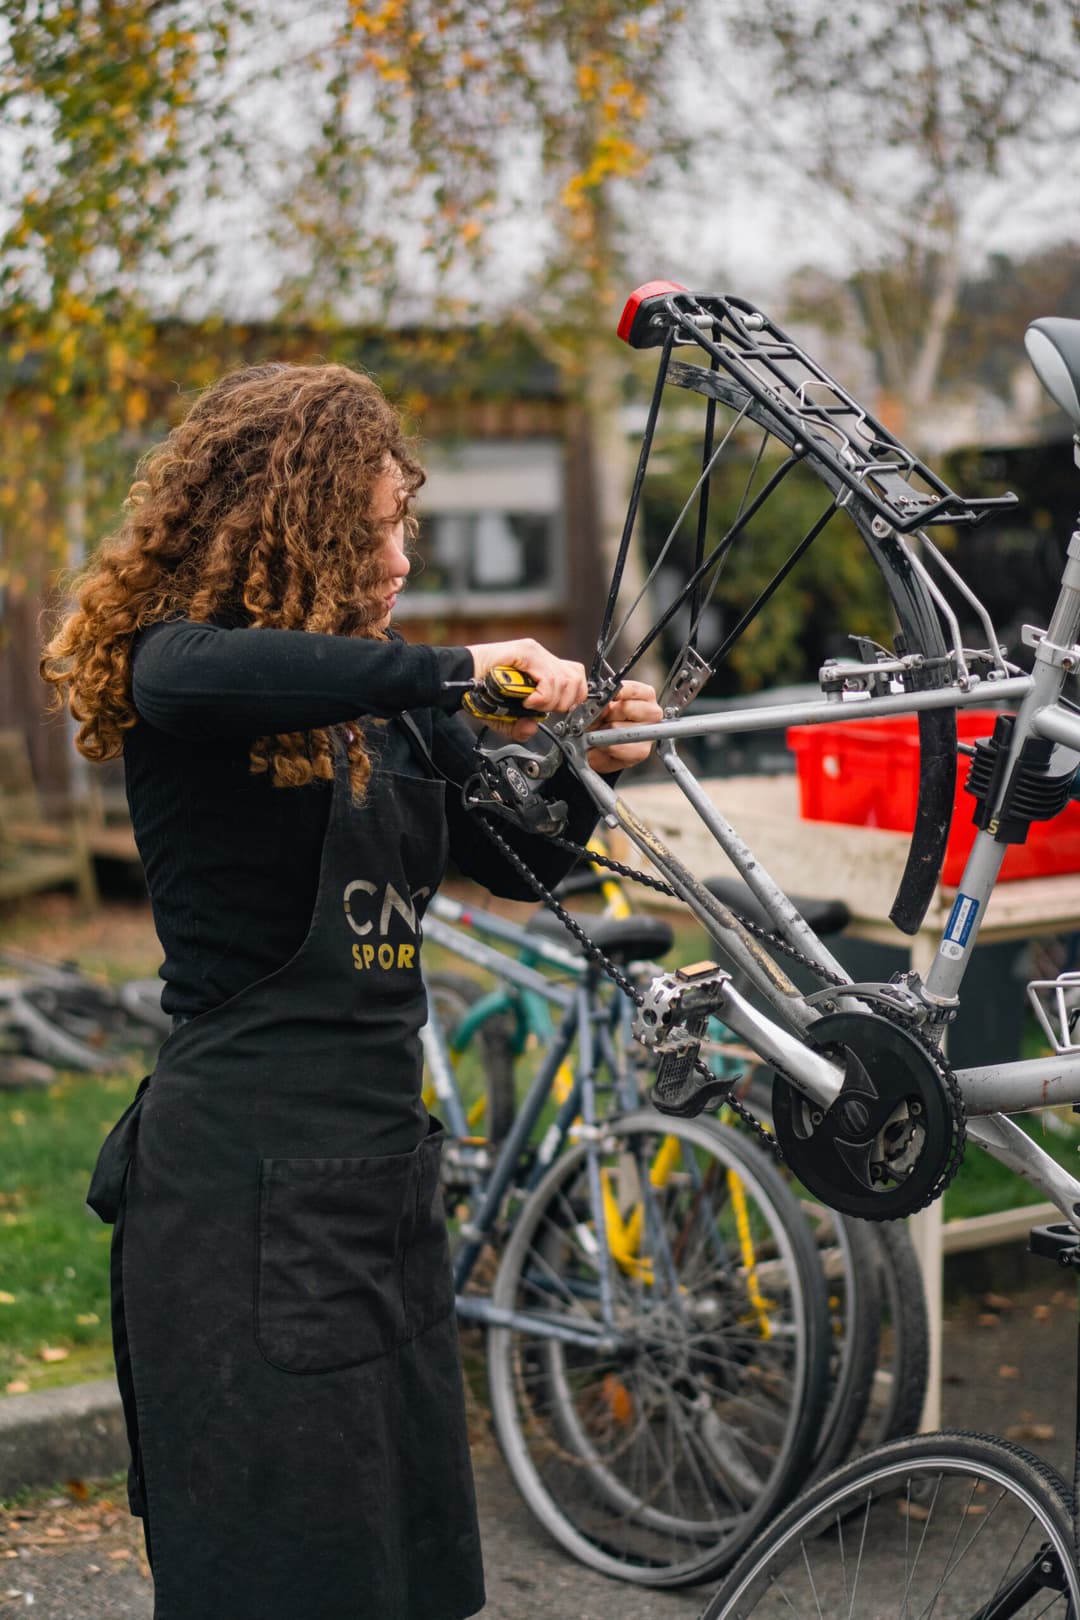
[508, 782]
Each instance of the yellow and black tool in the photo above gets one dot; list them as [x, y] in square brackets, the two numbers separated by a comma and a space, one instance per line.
[498, 698]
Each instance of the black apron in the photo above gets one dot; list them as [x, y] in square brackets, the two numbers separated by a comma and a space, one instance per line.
[283, 1301]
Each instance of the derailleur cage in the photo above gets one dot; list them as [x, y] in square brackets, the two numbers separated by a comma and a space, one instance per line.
[507, 783]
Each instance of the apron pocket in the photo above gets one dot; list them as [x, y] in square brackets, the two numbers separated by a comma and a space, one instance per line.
[333, 1243]
[429, 1279]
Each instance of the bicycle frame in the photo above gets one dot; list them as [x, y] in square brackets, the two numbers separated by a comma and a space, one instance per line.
[583, 1021]
[593, 1026]
[993, 1090]
[761, 375]
[860, 464]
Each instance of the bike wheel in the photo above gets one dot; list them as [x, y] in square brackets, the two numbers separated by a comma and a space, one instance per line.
[852, 1262]
[953, 1526]
[492, 1079]
[745, 548]
[76, 1024]
[849, 1258]
[904, 1362]
[654, 1456]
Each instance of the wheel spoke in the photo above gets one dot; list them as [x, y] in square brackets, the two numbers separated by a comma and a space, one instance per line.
[960, 1552]
[655, 1462]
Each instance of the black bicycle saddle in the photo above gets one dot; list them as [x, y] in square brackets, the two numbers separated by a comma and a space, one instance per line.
[623, 939]
[824, 916]
[1053, 346]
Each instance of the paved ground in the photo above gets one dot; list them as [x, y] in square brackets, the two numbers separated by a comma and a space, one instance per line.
[1009, 1368]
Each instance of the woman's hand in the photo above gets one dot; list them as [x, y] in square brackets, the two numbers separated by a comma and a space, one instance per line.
[560, 684]
[634, 705]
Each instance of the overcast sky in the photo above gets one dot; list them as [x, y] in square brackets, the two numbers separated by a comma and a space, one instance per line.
[735, 229]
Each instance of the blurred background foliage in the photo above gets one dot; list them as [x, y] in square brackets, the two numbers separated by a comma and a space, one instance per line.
[832, 585]
[182, 183]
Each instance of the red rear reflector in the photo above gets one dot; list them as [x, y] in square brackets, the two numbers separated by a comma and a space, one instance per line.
[640, 295]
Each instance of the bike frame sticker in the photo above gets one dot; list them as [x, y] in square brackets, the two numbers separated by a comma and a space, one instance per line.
[958, 928]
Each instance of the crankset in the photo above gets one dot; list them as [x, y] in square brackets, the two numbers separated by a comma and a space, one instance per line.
[894, 1137]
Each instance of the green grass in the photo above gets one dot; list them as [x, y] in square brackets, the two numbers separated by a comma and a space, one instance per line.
[54, 1252]
[87, 1492]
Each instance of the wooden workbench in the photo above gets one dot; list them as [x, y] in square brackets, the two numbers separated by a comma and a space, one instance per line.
[826, 860]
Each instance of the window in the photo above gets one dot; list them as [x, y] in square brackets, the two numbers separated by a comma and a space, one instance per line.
[491, 533]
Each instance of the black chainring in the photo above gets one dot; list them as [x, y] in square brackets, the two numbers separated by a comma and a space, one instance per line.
[887, 1146]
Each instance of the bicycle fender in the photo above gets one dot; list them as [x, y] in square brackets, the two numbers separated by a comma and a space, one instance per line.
[933, 819]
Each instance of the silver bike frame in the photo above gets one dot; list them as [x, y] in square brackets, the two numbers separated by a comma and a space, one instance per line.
[990, 1092]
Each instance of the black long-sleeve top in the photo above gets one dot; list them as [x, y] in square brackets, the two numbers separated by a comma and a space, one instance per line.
[231, 862]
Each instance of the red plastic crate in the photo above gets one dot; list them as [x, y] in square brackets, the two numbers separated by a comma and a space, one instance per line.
[866, 773]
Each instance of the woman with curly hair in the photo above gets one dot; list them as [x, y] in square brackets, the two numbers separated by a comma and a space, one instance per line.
[283, 1310]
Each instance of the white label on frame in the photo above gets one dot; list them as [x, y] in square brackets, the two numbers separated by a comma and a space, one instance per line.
[958, 928]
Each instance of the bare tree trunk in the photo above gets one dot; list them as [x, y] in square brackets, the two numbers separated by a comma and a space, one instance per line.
[924, 375]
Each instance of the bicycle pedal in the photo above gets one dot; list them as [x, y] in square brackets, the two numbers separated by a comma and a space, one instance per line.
[679, 1088]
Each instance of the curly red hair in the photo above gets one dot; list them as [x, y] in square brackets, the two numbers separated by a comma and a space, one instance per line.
[255, 509]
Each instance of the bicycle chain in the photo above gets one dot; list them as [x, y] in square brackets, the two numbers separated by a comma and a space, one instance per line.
[776, 943]
[594, 953]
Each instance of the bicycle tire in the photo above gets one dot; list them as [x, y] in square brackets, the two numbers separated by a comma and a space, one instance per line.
[918, 623]
[658, 1463]
[904, 1364]
[854, 1300]
[73, 1022]
[938, 1524]
[46, 1032]
[455, 994]
[853, 1266]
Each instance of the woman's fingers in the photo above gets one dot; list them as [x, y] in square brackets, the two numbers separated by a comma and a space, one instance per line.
[637, 712]
[632, 691]
[633, 705]
[560, 683]
[619, 758]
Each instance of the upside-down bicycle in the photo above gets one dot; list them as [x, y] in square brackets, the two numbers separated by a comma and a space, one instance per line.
[866, 1110]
